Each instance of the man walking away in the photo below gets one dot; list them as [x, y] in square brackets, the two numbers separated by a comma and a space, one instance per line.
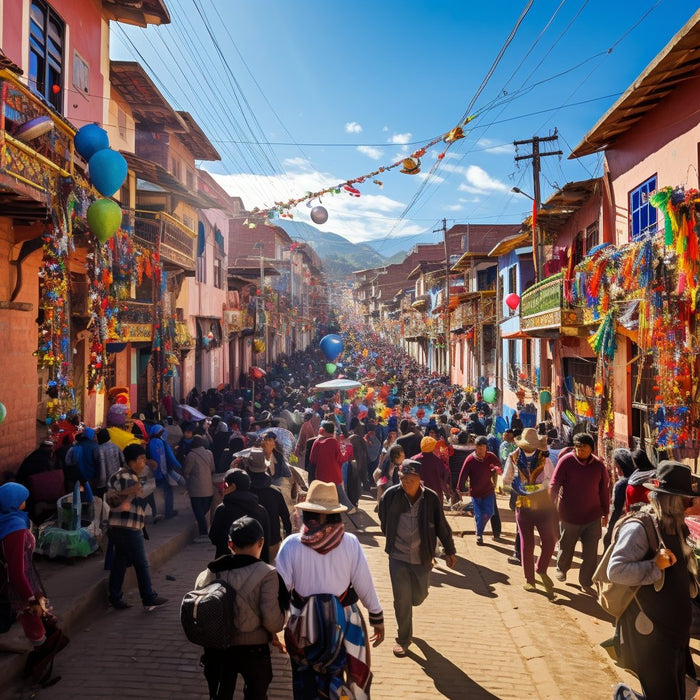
[580, 489]
[412, 520]
[260, 604]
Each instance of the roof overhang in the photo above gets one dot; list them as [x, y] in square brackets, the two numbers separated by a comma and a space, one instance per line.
[147, 103]
[678, 61]
[138, 12]
[196, 140]
[507, 245]
[157, 175]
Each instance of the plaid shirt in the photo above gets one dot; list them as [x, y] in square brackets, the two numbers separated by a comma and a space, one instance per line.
[134, 517]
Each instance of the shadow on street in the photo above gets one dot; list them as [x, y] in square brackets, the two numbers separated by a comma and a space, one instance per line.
[450, 681]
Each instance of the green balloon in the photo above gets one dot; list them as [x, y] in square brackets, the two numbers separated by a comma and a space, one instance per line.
[545, 398]
[104, 217]
[490, 394]
[330, 367]
[3, 412]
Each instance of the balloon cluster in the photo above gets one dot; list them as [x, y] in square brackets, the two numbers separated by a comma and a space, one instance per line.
[108, 170]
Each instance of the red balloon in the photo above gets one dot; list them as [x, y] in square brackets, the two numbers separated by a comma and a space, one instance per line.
[512, 301]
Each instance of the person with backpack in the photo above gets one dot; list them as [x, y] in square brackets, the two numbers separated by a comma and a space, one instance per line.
[653, 632]
[323, 566]
[259, 602]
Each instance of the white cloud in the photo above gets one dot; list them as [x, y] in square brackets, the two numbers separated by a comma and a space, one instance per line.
[479, 182]
[400, 138]
[371, 152]
[385, 128]
[353, 128]
[368, 218]
[454, 207]
[490, 146]
[298, 162]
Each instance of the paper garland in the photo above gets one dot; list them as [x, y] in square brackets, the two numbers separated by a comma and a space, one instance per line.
[283, 208]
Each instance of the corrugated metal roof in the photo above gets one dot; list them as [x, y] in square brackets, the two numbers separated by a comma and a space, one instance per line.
[679, 61]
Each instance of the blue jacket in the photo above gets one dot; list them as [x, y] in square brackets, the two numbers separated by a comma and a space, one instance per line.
[160, 451]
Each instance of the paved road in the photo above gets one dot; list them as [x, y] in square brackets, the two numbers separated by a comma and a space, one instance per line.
[479, 635]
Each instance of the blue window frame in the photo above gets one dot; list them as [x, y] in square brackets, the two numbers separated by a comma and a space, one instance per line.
[642, 213]
[46, 36]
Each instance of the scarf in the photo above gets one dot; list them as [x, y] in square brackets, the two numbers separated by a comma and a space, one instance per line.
[12, 495]
[322, 538]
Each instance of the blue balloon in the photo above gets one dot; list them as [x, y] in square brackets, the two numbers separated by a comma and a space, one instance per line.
[108, 171]
[89, 139]
[331, 346]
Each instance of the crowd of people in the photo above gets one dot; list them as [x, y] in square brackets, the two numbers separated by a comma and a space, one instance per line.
[271, 468]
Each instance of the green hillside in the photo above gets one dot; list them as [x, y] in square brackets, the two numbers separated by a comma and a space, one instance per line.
[340, 257]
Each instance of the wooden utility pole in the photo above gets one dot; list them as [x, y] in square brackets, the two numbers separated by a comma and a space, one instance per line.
[447, 298]
[535, 157]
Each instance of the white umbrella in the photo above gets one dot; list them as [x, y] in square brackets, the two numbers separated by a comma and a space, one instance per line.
[186, 412]
[338, 384]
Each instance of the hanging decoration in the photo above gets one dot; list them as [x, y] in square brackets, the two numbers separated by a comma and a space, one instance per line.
[319, 215]
[649, 287]
[282, 209]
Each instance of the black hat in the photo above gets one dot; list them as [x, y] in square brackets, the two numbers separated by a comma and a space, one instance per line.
[239, 477]
[409, 466]
[673, 478]
[642, 461]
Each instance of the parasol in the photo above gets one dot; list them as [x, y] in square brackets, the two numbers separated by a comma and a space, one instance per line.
[185, 412]
[283, 437]
[338, 385]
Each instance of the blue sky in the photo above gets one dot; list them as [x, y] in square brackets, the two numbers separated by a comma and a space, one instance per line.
[303, 96]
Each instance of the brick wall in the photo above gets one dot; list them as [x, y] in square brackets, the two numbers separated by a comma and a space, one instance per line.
[18, 372]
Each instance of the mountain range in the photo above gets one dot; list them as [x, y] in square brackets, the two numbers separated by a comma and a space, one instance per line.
[340, 256]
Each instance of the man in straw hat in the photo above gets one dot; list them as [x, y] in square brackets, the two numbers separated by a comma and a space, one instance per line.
[654, 631]
[580, 488]
[412, 519]
[529, 470]
[323, 558]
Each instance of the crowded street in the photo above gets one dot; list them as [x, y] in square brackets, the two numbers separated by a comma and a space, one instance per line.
[349, 351]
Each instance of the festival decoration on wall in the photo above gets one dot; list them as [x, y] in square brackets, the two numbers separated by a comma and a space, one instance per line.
[647, 289]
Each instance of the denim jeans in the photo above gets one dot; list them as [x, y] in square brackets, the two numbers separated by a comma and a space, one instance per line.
[483, 511]
[200, 508]
[168, 496]
[129, 550]
[409, 585]
[343, 497]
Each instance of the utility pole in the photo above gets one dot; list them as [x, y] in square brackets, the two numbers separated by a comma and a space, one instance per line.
[447, 329]
[535, 157]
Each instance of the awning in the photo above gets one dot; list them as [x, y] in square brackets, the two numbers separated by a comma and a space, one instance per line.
[516, 335]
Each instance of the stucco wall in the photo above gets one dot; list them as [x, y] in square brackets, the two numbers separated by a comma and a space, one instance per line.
[18, 371]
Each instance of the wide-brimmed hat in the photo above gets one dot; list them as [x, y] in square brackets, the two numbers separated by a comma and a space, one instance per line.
[531, 441]
[675, 479]
[322, 497]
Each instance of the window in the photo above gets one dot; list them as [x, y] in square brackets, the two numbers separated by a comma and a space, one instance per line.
[577, 249]
[189, 176]
[642, 214]
[46, 34]
[591, 236]
[121, 122]
[175, 167]
[218, 274]
[201, 273]
[513, 279]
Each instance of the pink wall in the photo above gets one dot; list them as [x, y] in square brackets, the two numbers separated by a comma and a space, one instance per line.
[664, 142]
[83, 19]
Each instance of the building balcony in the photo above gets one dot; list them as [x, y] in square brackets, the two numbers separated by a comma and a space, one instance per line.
[176, 240]
[421, 303]
[472, 308]
[36, 152]
[544, 312]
